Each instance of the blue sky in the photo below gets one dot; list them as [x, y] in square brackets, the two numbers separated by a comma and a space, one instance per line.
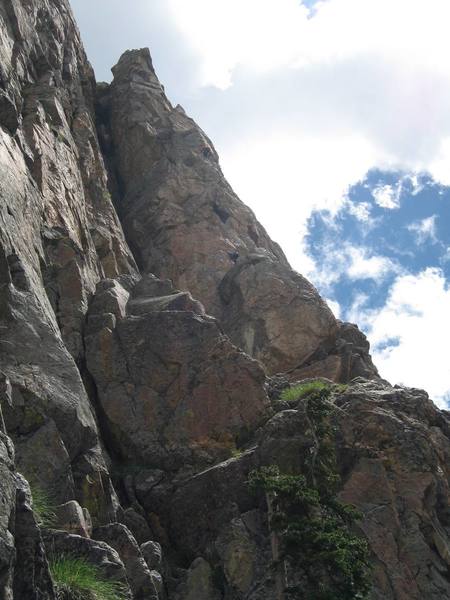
[332, 121]
[383, 261]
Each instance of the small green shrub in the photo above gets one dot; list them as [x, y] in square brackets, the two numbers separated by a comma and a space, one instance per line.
[43, 506]
[314, 529]
[302, 390]
[75, 578]
[236, 452]
[315, 534]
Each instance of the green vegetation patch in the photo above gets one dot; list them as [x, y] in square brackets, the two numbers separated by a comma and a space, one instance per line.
[76, 579]
[297, 392]
[44, 506]
[318, 550]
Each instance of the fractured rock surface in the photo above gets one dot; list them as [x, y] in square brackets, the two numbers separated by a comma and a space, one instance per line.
[184, 222]
[133, 362]
[172, 387]
[393, 448]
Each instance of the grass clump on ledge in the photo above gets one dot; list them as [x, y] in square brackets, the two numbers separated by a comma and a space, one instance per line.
[43, 507]
[76, 579]
[316, 387]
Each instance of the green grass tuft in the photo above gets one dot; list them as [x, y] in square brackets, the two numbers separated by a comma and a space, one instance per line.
[236, 452]
[43, 507]
[301, 390]
[75, 577]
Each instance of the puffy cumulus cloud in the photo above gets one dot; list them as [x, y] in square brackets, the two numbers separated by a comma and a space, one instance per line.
[335, 307]
[363, 265]
[261, 34]
[313, 98]
[424, 230]
[283, 179]
[409, 333]
[387, 196]
[351, 263]
[361, 211]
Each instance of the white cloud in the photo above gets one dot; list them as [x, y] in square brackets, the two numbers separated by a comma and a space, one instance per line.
[387, 196]
[261, 34]
[316, 99]
[335, 307]
[365, 266]
[409, 334]
[360, 211]
[351, 262]
[285, 178]
[424, 230]
[417, 185]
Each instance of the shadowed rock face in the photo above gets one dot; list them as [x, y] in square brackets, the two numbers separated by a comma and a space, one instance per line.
[157, 374]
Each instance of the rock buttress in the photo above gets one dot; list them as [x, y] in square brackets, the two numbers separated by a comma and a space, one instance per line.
[185, 223]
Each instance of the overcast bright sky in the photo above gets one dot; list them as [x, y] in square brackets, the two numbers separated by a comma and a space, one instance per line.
[326, 115]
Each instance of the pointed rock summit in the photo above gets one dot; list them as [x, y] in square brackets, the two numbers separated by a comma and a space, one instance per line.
[185, 223]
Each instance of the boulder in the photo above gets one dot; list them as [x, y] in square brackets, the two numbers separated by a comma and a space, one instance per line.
[71, 518]
[152, 553]
[120, 538]
[199, 583]
[173, 389]
[99, 554]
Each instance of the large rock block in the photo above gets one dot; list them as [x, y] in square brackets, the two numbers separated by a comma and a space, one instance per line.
[173, 389]
[392, 448]
[273, 313]
[139, 576]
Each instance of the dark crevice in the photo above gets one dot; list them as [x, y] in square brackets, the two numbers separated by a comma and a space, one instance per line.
[102, 420]
[223, 214]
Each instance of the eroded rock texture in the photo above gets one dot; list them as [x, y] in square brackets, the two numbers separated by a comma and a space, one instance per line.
[59, 234]
[172, 387]
[184, 222]
[392, 447]
[133, 363]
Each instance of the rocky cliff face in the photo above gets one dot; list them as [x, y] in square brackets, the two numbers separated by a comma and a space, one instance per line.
[147, 327]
